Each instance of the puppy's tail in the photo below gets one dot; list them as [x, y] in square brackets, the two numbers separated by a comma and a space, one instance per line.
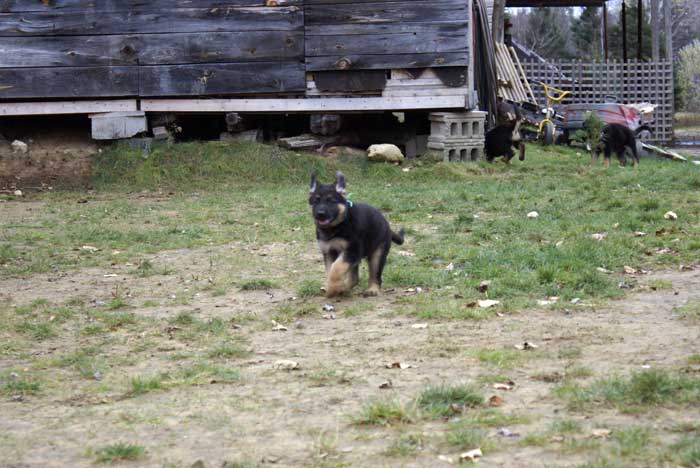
[397, 237]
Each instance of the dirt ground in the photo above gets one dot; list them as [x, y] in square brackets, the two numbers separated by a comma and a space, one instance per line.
[304, 417]
[59, 151]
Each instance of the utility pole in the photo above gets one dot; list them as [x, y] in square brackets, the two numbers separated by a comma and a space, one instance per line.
[654, 5]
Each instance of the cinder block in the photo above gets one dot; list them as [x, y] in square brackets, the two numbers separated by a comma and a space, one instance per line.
[468, 150]
[454, 126]
[118, 125]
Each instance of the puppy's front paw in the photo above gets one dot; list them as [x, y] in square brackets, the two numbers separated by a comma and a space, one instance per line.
[334, 289]
[372, 291]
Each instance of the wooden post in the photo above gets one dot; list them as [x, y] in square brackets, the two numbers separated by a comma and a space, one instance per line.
[668, 29]
[497, 20]
[639, 29]
[654, 5]
[605, 31]
[623, 20]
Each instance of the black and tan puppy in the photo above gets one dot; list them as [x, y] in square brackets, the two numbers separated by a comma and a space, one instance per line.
[505, 137]
[616, 138]
[347, 232]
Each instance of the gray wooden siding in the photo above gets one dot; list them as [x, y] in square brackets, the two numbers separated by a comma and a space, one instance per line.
[386, 34]
[56, 49]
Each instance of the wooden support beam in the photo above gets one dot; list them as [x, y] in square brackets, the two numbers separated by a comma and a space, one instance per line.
[66, 107]
[304, 105]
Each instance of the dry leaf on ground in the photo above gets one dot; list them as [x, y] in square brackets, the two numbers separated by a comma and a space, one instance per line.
[487, 303]
[471, 455]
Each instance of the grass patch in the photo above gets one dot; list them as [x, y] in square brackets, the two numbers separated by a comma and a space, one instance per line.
[465, 437]
[258, 285]
[39, 331]
[386, 412]
[690, 310]
[115, 320]
[407, 445]
[641, 391]
[141, 385]
[228, 350]
[119, 452]
[309, 288]
[441, 401]
[19, 383]
[685, 452]
[694, 359]
[501, 357]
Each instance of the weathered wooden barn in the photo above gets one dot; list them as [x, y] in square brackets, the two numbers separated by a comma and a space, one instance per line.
[91, 56]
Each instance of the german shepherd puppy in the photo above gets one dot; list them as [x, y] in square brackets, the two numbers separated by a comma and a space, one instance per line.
[505, 137]
[347, 232]
[616, 138]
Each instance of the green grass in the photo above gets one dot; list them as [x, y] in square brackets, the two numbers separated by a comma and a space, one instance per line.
[440, 401]
[499, 357]
[119, 452]
[309, 288]
[248, 192]
[140, 385]
[228, 350]
[639, 392]
[384, 412]
[258, 285]
[690, 310]
[19, 383]
[407, 445]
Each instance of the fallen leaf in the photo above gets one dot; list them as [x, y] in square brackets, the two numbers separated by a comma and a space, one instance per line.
[670, 215]
[471, 455]
[557, 438]
[455, 408]
[278, 327]
[601, 433]
[484, 286]
[603, 270]
[526, 346]
[471, 304]
[502, 386]
[629, 270]
[495, 400]
[487, 303]
[419, 326]
[639, 233]
[450, 267]
[386, 385]
[285, 364]
[398, 365]
[599, 236]
[533, 214]
[575, 300]
[446, 459]
[89, 248]
[505, 432]
[329, 316]
[406, 253]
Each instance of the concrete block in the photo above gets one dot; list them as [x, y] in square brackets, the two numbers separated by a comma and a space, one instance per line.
[118, 125]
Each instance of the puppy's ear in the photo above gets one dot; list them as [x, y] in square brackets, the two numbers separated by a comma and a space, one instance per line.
[340, 183]
[312, 185]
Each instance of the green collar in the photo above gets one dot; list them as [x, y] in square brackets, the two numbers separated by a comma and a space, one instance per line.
[347, 200]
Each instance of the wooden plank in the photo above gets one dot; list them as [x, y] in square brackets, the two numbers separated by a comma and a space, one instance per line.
[302, 105]
[67, 82]
[221, 79]
[66, 107]
[442, 27]
[150, 49]
[402, 43]
[24, 6]
[142, 22]
[387, 12]
[368, 62]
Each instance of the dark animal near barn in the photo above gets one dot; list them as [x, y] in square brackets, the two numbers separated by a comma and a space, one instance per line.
[616, 138]
[504, 138]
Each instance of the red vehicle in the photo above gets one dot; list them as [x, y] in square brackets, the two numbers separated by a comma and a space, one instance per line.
[637, 117]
